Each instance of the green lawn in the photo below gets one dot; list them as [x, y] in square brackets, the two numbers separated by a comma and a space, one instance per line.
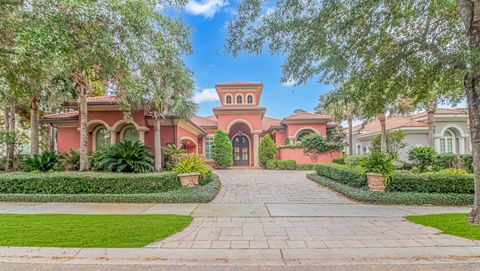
[454, 224]
[101, 231]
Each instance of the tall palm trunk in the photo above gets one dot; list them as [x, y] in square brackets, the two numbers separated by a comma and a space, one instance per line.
[350, 134]
[51, 138]
[383, 134]
[11, 136]
[83, 87]
[473, 99]
[431, 108]
[34, 127]
[157, 145]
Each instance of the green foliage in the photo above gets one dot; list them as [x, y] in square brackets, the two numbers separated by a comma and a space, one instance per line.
[406, 198]
[336, 135]
[394, 143]
[451, 224]
[222, 150]
[46, 161]
[92, 230]
[266, 150]
[272, 164]
[422, 157]
[128, 156]
[349, 175]
[379, 163]
[95, 158]
[172, 155]
[449, 181]
[316, 144]
[450, 160]
[355, 159]
[306, 166]
[87, 183]
[200, 193]
[286, 164]
[193, 164]
[70, 160]
[340, 160]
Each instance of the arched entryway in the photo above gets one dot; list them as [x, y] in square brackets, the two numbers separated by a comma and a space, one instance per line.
[241, 150]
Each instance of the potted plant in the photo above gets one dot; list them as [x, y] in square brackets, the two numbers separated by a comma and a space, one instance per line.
[379, 170]
[191, 170]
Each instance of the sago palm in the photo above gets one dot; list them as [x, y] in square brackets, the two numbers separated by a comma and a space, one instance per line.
[128, 156]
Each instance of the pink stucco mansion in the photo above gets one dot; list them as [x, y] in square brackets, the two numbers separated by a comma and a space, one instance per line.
[240, 115]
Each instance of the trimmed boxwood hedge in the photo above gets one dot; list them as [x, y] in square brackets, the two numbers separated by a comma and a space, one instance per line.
[349, 175]
[198, 194]
[432, 182]
[87, 183]
[407, 198]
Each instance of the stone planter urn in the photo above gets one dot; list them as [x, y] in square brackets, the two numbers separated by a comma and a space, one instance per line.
[376, 182]
[189, 179]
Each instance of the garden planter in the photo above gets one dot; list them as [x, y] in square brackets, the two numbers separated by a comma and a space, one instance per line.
[189, 179]
[376, 182]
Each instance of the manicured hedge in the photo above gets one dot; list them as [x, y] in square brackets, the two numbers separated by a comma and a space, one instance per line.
[198, 194]
[87, 183]
[407, 198]
[432, 182]
[288, 165]
[349, 175]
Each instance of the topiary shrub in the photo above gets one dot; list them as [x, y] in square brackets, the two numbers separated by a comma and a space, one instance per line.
[291, 164]
[272, 164]
[281, 164]
[355, 159]
[46, 161]
[222, 150]
[128, 156]
[350, 175]
[266, 150]
[444, 181]
[422, 157]
[194, 164]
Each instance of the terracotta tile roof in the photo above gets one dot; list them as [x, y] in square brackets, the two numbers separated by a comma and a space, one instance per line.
[332, 124]
[442, 111]
[58, 116]
[202, 122]
[306, 116]
[98, 100]
[268, 122]
[392, 122]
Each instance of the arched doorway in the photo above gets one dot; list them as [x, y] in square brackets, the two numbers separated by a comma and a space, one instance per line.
[241, 150]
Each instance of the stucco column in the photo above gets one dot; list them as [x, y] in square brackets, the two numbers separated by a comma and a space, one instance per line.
[436, 144]
[256, 143]
[291, 140]
[113, 137]
[461, 142]
[141, 136]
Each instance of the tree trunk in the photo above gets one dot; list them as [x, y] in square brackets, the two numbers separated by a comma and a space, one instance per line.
[83, 132]
[51, 138]
[11, 137]
[7, 129]
[473, 101]
[383, 134]
[34, 128]
[431, 108]
[157, 145]
[350, 134]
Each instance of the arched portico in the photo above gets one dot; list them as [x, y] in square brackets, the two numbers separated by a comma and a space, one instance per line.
[245, 142]
[190, 145]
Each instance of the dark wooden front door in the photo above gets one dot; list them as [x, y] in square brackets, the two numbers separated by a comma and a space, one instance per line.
[241, 151]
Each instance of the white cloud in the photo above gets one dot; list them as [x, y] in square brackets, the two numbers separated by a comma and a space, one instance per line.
[206, 8]
[205, 95]
[289, 83]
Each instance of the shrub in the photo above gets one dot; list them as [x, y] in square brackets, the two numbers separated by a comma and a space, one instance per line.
[128, 156]
[193, 164]
[306, 166]
[95, 158]
[281, 164]
[394, 143]
[340, 160]
[422, 157]
[444, 160]
[46, 161]
[266, 150]
[172, 155]
[354, 160]
[315, 144]
[379, 163]
[222, 150]
[87, 183]
[349, 175]
[467, 162]
[450, 160]
[291, 164]
[272, 164]
[71, 160]
[447, 181]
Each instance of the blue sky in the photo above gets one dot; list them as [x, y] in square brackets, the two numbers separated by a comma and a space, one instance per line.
[211, 64]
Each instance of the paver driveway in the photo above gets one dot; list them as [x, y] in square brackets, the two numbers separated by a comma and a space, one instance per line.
[282, 209]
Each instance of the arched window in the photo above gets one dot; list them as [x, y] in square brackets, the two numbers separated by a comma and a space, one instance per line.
[250, 99]
[239, 99]
[302, 134]
[447, 142]
[130, 134]
[102, 138]
[228, 100]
